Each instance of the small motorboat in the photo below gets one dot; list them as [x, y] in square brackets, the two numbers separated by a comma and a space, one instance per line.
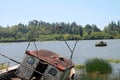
[101, 43]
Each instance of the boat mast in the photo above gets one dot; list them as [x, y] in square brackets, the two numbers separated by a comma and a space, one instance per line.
[71, 50]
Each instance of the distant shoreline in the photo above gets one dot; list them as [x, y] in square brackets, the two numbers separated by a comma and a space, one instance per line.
[7, 41]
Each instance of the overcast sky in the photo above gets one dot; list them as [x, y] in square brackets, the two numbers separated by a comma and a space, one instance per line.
[99, 12]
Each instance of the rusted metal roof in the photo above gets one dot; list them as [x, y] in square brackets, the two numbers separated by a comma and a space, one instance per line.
[52, 58]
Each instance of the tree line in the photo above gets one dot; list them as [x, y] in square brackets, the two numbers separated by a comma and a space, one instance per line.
[40, 30]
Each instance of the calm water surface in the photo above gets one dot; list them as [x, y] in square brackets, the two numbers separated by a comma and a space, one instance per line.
[84, 50]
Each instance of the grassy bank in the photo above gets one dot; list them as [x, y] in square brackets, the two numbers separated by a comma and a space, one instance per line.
[96, 69]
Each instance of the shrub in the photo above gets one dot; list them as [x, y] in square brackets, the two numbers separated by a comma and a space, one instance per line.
[99, 66]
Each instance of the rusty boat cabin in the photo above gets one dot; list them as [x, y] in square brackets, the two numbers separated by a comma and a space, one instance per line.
[43, 65]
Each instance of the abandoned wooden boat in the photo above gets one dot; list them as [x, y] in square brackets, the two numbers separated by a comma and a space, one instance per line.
[39, 65]
[101, 43]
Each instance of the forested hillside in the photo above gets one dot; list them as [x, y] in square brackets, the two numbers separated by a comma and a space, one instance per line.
[40, 30]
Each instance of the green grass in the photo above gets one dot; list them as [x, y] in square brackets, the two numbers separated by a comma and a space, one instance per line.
[93, 77]
[79, 66]
[113, 60]
[96, 77]
[3, 66]
[96, 69]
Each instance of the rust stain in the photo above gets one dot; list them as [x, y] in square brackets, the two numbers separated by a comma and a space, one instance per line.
[52, 58]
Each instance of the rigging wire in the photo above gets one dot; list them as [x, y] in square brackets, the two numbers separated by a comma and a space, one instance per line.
[71, 50]
[33, 38]
[28, 45]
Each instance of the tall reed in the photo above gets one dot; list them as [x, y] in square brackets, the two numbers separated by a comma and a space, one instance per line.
[96, 65]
